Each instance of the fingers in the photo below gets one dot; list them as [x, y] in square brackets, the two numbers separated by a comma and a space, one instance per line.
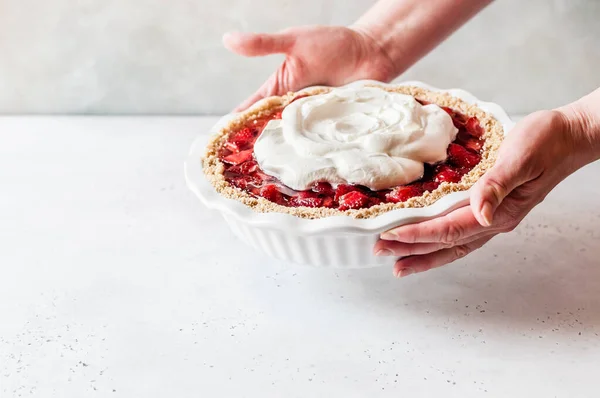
[514, 167]
[491, 189]
[257, 44]
[415, 264]
[271, 87]
[401, 249]
[449, 229]
[279, 83]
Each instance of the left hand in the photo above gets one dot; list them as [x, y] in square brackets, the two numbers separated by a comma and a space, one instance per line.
[328, 55]
[542, 150]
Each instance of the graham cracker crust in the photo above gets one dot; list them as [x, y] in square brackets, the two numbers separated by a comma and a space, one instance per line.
[214, 168]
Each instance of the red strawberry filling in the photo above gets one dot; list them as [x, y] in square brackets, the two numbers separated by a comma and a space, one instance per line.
[242, 171]
[353, 200]
[403, 193]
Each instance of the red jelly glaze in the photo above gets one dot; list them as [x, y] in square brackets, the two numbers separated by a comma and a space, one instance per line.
[242, 171]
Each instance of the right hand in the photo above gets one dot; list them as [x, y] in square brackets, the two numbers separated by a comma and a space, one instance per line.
[315, 55]
[540, 151]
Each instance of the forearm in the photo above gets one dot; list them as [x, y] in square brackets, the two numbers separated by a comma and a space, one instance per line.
[407, 30]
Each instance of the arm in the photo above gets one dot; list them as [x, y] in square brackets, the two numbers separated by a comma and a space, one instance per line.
[408, 30]
[383, 43]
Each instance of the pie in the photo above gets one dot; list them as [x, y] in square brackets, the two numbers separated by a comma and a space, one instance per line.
[322, 169]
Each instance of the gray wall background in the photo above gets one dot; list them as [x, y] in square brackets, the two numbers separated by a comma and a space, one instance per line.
[165, 57]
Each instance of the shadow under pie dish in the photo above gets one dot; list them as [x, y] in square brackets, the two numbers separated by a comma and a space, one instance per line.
[351, 175]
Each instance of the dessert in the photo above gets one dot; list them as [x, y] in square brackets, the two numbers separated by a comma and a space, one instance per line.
[358, 151]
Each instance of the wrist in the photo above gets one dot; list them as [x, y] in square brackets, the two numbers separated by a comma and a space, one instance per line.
[383, 25]
[383, 58]
[396, 40]
[582, 121]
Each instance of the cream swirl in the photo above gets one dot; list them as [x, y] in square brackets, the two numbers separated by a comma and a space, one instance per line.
[354, 135]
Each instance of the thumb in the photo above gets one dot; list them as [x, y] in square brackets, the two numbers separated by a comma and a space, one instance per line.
[256, 44]
[495, 185]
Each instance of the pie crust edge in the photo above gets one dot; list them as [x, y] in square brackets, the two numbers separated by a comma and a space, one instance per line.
[214, 168]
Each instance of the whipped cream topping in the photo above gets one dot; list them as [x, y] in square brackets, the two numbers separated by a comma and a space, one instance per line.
[354, 135]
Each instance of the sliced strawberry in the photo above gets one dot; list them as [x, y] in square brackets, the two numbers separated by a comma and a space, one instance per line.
[244, 137]
[468, 141]
[324, 188]
[458, 119]
[306, 198]
[403, 193]
[474, 144]
[382, 195]
[327, 202]
[231, 147]
[462, 137]
[343, 189]
[307, 202]
[446, 173]
[271, 193]
[238, 158]
[473, 127]
[248, 167]
[430, 186]
[462, 157]
[307, 194]
[374, 201]
[239, 182]
[263, 177]
[243, 182]
[353, 200]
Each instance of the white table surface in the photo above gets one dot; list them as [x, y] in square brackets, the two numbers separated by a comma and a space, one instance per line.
[116, 282]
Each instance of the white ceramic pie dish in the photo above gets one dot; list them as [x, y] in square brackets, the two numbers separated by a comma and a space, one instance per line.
[339, 241]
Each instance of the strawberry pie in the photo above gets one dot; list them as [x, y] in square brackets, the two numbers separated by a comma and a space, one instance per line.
[357, 151]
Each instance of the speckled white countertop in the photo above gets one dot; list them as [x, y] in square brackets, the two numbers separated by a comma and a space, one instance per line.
[115, 282]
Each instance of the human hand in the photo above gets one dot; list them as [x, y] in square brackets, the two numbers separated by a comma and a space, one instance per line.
[314, 55]
[380, 45]
[541, 150]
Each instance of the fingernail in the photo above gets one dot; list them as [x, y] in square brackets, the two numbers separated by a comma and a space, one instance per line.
[487, 213]
[405, 272]
[384, 252]
[388, 236]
